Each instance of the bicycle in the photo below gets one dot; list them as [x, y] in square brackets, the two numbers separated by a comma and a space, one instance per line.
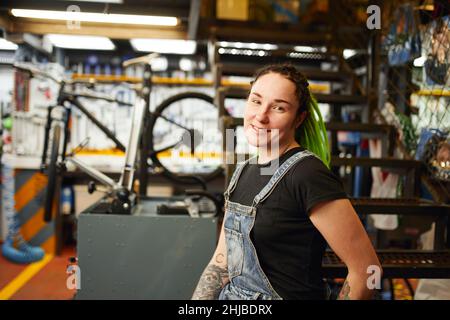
[67, 99]
[121, 193]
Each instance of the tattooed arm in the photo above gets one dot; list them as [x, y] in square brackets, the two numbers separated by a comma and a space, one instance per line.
[344, 294]
[339, 224]
[355, 288]
[215, 275]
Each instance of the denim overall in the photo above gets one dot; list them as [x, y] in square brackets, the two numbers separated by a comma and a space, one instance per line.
[247, 279]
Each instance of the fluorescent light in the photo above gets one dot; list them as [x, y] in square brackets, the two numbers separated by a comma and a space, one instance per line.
[95, 17]
[80, 42]
[164, 46]
[248, 45]
[243, 52]
[310, 49]
[304, 55]
[7, 45]
[419, 62]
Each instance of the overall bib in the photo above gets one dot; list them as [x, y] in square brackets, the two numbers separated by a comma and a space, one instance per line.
[247, 279]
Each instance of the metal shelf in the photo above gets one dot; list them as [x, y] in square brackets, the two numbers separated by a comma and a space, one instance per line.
[397, 264]
[376, 162]
[410, 206]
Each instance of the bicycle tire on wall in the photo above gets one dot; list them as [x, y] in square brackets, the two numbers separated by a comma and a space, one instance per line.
[153, 156]
[52, 174]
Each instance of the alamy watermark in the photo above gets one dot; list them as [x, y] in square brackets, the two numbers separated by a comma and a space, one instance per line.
[374, 280]
[73, 24]
[374, 17]
[74, 279]
[207, 140]
[270, 138]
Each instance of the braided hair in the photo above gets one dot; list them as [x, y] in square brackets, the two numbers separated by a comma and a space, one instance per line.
[311, 134]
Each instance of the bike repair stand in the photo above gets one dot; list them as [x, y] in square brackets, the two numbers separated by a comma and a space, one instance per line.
[122, 199]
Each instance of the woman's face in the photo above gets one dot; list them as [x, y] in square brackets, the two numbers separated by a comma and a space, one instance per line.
[271, 111]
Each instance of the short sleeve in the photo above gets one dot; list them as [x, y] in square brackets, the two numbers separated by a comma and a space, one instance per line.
[312, 183]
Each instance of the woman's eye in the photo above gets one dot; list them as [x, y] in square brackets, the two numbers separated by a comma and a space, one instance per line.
[278, 108]
[256, 102]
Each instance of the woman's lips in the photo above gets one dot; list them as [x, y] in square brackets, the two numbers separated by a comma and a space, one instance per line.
[257, 129]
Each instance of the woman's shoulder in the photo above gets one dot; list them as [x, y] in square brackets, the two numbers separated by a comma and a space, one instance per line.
[311, 170]
[309, 164]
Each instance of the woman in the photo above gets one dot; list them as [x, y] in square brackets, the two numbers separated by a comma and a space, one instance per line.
[273, 236]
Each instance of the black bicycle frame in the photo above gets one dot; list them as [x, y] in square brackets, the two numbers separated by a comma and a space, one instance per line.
[73, 101]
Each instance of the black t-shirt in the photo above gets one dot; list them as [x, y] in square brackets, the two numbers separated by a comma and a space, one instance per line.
[289, 247]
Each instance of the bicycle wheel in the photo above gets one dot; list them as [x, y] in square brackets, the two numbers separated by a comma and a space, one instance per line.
[173, 148]
[52, 174]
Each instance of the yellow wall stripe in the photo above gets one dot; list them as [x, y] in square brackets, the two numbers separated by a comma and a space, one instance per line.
[49, 245]
[18, 282]
[29, 190]
[30, 228]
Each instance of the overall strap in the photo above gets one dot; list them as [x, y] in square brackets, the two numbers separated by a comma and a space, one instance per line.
[279, 174]
[235, 177]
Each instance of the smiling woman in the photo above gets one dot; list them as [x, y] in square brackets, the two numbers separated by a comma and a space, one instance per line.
[277, 225]
[297, 113]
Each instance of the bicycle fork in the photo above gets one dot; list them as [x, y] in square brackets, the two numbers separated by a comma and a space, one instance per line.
[48, 127]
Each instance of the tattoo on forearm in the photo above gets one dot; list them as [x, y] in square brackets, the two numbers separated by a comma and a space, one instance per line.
[219, 258]
[345, 292]
[211, 283]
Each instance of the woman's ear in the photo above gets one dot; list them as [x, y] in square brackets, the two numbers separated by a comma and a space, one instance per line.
[300, 119]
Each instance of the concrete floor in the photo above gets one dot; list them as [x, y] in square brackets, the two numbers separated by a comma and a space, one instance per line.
[49, 283]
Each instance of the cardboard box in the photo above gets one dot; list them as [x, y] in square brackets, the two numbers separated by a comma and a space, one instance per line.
[232, 9]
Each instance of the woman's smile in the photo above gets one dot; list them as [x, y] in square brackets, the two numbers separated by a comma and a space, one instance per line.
[259, 130]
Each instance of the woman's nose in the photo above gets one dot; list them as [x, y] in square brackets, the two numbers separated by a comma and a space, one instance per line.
[262, 114]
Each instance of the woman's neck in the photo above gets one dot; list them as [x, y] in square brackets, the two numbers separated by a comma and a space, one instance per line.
[266, 155]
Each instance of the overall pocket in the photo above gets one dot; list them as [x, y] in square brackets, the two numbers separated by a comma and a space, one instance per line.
[235, 252]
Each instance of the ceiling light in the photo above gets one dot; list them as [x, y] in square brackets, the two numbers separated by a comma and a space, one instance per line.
[248, 45]
[310, 49]
[164, 46]
[305, 55]
[7, 45]
[246, 52]
[80, 42]
[95, 17]
[348, 53]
